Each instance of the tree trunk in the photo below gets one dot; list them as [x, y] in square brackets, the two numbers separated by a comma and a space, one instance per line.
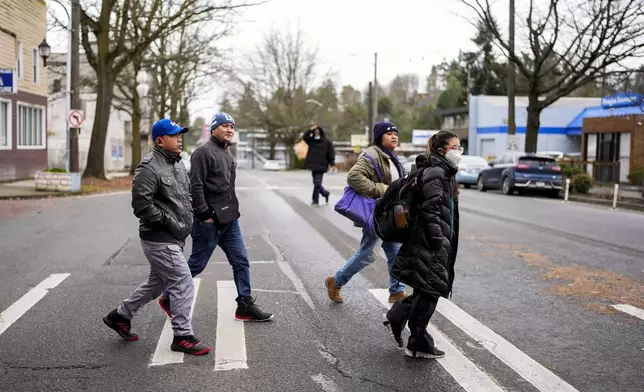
[534, 122]
[136, 133]
[96, 155]
[271, 145]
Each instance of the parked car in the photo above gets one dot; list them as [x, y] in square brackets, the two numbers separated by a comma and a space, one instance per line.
[518, 171]
[469, 168]
[185, 158]
[408, 162]
[273, 165]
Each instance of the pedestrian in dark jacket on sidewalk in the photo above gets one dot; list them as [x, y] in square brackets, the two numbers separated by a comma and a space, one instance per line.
[319, 157]
[426, 261]
[161, 201]
[216, 211]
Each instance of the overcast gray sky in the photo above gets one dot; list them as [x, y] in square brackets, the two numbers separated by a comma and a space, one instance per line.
[409, 36]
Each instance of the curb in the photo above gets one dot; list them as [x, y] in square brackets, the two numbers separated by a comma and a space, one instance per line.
[621, 204]
[60, 195]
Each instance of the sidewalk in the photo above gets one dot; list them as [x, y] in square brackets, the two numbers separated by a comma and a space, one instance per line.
[26, 189]
[629, 197]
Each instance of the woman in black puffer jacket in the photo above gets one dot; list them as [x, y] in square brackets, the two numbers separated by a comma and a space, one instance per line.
[426, 261]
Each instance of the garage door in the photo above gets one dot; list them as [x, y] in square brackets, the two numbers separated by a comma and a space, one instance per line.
[487, 148]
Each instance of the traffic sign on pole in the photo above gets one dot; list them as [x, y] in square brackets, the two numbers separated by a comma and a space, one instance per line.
[75, 118]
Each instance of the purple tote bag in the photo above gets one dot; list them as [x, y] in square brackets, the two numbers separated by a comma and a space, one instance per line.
[356, 207]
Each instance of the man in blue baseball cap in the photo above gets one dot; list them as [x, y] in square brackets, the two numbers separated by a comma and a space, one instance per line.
[161, 200]
[216, 211]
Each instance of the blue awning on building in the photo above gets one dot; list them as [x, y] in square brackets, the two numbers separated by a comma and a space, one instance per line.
[574, 128]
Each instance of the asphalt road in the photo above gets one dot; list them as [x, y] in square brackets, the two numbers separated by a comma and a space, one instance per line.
[531, 309]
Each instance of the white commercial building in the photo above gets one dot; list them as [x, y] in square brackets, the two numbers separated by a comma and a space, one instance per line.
[488, 129]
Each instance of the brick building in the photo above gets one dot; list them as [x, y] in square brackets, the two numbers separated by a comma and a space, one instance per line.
[23, 119]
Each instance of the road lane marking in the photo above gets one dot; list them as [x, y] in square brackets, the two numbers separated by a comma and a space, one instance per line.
[251, 262]
[632, 310]
[264, 183]
[27, 301]
[462, 370]
[326, 383]
[531, 370]
[162, 354]
[277, 291]
[230, 344]
[288, 271]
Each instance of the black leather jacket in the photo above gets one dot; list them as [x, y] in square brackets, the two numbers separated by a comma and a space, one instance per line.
[161, 198]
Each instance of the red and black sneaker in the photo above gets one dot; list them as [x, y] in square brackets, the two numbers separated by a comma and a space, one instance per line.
[165, 305]
[189, 345]
[247, 310]
[121, 325]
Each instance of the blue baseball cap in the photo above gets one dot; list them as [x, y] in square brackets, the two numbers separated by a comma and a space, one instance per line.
[221, 118]
[166, 127]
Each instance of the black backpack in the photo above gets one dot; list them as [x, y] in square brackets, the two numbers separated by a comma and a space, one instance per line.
[395, 216]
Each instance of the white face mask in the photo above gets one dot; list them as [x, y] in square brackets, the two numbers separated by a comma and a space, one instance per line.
[453, 157]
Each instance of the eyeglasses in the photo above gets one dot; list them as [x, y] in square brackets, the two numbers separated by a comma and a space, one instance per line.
[457, 148]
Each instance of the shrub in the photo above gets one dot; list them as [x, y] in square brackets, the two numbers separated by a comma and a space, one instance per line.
[636, 177]
[55, 170]
[569, 171]
[581, 183]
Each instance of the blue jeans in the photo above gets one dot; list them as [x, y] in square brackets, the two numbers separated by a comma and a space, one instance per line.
[362, 258]
[205, 238]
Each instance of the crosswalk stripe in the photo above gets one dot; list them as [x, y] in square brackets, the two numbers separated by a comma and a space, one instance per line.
[230, 344]
[464, 371]
[531, 370]
[629, 309]
[162, 354]
[32, 297]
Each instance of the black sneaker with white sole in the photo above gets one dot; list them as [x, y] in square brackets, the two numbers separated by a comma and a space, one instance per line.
[432, 353]
[247, 310]
[395, 331]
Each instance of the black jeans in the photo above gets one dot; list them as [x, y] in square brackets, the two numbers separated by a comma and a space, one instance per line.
[318, 189]
[416, 309]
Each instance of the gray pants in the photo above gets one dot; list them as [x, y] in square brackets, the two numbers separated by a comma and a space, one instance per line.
[168, 271]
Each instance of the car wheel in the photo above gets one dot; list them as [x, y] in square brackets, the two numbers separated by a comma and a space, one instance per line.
[507, 187]
[467, 186]
[480, 185]
[554, 194]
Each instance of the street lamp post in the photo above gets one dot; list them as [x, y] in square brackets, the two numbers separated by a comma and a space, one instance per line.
[142, 89]
[320, 111]
[45, 51]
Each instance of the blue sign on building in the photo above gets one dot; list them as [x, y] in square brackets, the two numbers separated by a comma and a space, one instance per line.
[622, 100]
[7, 81]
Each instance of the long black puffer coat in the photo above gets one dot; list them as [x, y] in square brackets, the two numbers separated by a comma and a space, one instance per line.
[321, 153]
[426, 260]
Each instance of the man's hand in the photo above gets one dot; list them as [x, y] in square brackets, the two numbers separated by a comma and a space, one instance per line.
[209, 220]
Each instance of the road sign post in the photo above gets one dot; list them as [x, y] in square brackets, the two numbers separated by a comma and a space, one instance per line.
[75, 118]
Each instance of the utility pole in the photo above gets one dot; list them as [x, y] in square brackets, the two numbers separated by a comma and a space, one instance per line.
[375, 91]
[511, 75]
[370, 121]
[74, 84]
